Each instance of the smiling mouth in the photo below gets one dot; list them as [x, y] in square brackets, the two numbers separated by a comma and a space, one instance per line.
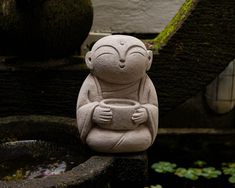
[121, 66]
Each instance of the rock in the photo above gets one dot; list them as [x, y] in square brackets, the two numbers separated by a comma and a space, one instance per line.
[44, 28]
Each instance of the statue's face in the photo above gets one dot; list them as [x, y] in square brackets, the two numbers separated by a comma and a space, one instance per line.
[119, 59]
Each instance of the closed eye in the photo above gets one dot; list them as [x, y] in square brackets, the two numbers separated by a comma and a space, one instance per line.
[105, 53]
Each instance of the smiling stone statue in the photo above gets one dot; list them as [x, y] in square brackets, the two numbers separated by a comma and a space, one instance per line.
[117, 107]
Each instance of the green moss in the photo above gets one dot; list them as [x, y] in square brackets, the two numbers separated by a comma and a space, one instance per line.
[18, 175]
[172, 27]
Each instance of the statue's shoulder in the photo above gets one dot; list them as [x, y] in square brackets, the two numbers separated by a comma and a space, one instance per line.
[90, 80]
[147, 81]
[91, 83]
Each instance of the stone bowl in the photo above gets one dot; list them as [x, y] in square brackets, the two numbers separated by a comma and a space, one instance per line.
[122, 110]
[35, 139]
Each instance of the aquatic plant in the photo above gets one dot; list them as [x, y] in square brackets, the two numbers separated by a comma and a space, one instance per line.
[229, 169]
[154, 186]
[198, 170]
[164, 167]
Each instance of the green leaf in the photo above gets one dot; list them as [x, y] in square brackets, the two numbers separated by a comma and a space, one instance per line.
[231, 165]
[210, 172]
[181, 172]
[155, 186]
[164, 167]
[196, 171]
[232, 179]
[228, 171]
[186, 173]
[199, 163]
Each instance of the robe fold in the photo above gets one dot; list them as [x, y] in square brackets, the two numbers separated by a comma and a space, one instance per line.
[116, 141]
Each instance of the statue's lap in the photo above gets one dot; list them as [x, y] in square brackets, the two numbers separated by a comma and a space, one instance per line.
[104, 140]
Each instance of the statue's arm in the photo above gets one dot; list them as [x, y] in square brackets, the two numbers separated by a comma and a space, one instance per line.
[152, 95]
[85, 107]
[152, 108]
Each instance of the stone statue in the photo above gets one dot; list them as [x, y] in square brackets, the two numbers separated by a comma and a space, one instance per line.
[117, 107]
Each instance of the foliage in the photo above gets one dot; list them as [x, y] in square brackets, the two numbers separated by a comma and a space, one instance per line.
[231, 179]
[210, 172]
[154, 186]
[198, 170]
[199, 163]
[18, 175]
[195, 173]
[164, 167]
[191, 173]
[229, 169]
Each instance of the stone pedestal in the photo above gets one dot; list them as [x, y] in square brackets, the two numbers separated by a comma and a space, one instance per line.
[130, 170]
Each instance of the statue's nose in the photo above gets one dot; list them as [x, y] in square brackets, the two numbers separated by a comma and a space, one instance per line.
[122, 65]
[122, 60]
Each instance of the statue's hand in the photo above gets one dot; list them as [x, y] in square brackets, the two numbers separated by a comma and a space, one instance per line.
[140, 116]
[102, 115]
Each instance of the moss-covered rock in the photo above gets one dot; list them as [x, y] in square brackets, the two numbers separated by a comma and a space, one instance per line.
[174, 24]
[43, 28]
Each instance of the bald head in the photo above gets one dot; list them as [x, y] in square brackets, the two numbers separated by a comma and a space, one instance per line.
[119, 55]
[119, 42]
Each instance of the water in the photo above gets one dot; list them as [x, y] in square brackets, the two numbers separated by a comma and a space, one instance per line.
[27, 165]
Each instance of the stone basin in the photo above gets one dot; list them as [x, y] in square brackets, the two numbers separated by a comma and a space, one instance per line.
[45, 151]
[32, 159]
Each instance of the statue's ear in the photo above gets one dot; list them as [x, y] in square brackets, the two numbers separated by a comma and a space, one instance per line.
[150, 59]
[88, 60]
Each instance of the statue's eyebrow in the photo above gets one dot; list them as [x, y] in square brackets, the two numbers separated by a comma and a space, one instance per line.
[103, 54]
[128, 49]
[137, 52]
[108, 46]
[136, 46]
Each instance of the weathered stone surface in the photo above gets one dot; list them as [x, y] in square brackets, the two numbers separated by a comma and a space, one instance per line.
[98, 171]
[134, 16]
[195, 113]
[40, 87]
[90, 174]
[201, 47]
[48, 128]
[130, 170]
[220, 94]
[58, 131]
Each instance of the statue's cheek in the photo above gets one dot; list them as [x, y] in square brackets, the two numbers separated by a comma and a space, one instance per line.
[105, 67]
[137, 61]
[105, 60]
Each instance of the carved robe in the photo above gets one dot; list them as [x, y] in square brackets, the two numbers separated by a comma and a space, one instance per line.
[104, 140]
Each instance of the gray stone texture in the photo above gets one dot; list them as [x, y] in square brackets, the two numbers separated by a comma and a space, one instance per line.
[133, 16]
